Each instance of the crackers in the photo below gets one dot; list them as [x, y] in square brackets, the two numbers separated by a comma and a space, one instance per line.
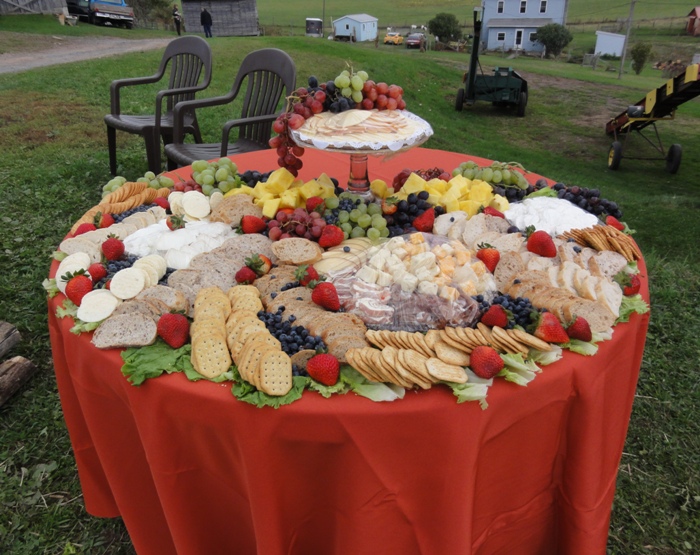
[210, 353]
[606, 237]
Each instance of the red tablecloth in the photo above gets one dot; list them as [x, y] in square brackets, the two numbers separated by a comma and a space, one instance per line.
[191, 470]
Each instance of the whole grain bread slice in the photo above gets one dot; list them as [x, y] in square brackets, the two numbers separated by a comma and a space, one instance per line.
[175, 300]
[125, 330]
[297, 250]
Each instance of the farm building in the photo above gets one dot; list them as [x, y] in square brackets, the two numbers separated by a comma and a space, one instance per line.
[513, 24]
[609, 43]
[357, 27]
[18, 7]
[232, 18]
[693, 27]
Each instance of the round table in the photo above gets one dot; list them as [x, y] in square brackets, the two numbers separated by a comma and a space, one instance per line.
[191, 470]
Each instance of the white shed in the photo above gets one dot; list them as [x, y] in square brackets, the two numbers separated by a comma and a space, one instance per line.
[609, 43]
[357, 27]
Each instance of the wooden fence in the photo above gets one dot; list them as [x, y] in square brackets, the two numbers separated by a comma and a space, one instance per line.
[15, 7]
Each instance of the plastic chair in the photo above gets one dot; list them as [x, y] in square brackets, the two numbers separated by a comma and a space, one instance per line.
[269, 73]
[187, 57]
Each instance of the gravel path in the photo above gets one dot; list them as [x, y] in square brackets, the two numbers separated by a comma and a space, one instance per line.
[61, 50]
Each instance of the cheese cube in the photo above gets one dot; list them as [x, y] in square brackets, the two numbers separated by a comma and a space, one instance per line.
[449, 293]
[367, 274]
[400, 253]
[428, 288]
[467, 288]
[408, 282]
[384, 279]
[417, 238]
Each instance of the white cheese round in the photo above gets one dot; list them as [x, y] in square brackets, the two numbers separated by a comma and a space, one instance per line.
[553, 215]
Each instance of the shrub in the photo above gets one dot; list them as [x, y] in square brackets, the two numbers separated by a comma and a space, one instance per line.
[445, 26]
[640, 53]
[554, 37]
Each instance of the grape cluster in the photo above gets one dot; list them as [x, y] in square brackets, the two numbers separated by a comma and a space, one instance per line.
[521, 309]
[432, 173]
[298, 223]
[288, 152]
[359, 219]
[400, 221]
[292, 337]
[113, 266]
[154, 181]
[588, 199]
[209, 177]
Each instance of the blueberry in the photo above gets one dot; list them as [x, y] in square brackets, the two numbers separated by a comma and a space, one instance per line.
[273, 294]
[346, 249]
[423, 195]
[292, 318]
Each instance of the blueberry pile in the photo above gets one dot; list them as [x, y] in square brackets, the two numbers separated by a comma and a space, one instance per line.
[401, 221]
[251, 177]
[514, 193]
[521, 308]
[113, 266]
[344, 204]
[141, 208]
[293, 338]
[588, 199]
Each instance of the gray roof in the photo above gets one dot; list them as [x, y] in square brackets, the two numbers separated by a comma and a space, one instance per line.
[519, 22]
[361, 17]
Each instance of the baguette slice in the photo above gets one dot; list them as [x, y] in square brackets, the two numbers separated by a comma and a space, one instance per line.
[297, 250]
[174, 299]
[125, 330]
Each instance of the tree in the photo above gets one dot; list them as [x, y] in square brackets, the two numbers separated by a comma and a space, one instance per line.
[445, 26]
[640, 53]
[554, 37]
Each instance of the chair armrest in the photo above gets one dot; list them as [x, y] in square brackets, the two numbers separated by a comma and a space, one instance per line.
[237, 123]
[120, 83]
[172, 92]
[181, 108]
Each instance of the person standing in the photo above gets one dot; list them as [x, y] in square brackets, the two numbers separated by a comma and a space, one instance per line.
[206, 21]
[177, 18]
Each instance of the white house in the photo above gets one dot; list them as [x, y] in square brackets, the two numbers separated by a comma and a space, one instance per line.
[357, 27]
[609, 43]
[513, 24]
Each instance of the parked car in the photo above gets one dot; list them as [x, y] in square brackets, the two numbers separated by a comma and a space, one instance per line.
[414, 39]
[99, 12]
[393, 38]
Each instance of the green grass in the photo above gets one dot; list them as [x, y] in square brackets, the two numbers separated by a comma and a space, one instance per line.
[54, 162]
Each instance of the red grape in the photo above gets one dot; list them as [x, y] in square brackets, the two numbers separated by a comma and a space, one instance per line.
[275, 233]
[381, 101]
[367, 104]
[382, 88]
[297, 150]
[296, 121]
[367, 86]
[300, 229]
[394, 91]
[320, 96]
[281, 217]
[391, 104]
[278, 126]
[372, 94]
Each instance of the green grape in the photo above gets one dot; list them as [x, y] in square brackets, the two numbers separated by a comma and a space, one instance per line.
[154, 184]
[356, 82]
[342, 81]
[215, 190]
[373, 209]
[363, 75]
[355, 214]
[208, 171]
[207, 179]
[379, 224]
[332, 203]
[343, 216]
[373, 234]
[149, 175]
[364, 221]
[346, 235]
[357, 232]
[506, 176]
[487, 174]
[346, 227]
[497, 176]
[357, 96]
[478, 173]
[469, 173]
[345, 72]
[225, 186]
[207, 189]
[384, 232]
[457, 171]
[166, 182]
[142, 180]
[221, 174]
[346, 92]
[106, 188]
[362, 208]
[199, 165]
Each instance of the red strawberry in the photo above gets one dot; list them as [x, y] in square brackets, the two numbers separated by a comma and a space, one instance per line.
[259, 263]
[246, 275]
[108, 284]
[103, 220]
[113, 248]
[84, 228]
[326, 296]
[549, 329]
[425, 221]
[485, 362]
[579, 329]
[613, 221]
[252, 224]
[630, 283]
[496, 315]
[305, 274]
[493, 212]
[97, 271]
[540, 242]
[174, 222]
[313, 203]
[162, 202]
[331, 236]
[389, 205]
[174, 329]
[488, 255]
[324, 368]
[78, 285]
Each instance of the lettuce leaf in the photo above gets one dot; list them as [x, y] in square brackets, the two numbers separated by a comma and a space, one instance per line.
[82, 327]
[59, 255]
[67, 309]
[243, 391]
[340, 388]
[152, 361]
[49, 285]
[599, 336]
[371, 390]
[543, 358]
[469, 392]
[630, 305]
[517, 369]
[584, 348]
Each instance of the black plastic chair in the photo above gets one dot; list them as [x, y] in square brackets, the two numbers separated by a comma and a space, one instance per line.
[270, 73]
[188, 58]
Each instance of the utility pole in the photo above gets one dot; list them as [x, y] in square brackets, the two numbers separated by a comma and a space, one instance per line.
[627, 38]
[323, 21]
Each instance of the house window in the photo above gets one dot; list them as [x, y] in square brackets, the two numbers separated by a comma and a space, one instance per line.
[347, 26]
[533, 37]
[543, 6]
[523, 6]
[518, 38]
[500, 6]
[501, 37]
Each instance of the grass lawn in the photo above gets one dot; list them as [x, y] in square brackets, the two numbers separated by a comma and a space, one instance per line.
[54, 162]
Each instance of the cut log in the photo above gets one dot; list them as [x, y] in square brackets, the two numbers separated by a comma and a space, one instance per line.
[14, 373]
[9, 337]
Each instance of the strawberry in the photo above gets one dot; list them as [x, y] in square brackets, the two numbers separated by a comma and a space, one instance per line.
[174, 222]
[579, 329]
[493, 212]
[331, 236]
[496, 315]
[245, 275]
[326, 296]
[78, 285]
[614, 222]
[306, 274]
[425, 221]
[549, 329]
[259, 263]
[84, 228]
[113, 248]
[313, 203]
[488, 255]
[485, 362]
[103, 220]
[162, 202]
[389, 205]
[630, 283]
[174, 329]
[252, 224]
[540, 242]
[324, 368]
[97, 271]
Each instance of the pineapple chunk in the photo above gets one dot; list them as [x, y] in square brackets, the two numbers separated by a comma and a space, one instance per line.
[326, 191]
[260, 189]
[270, 207]
[461, 184]
[414, 184]
[242, 190]
[482, 191]
[437, 185]
[310, 189]
[297, 183]
[289, 199]
[500, 203]
[279, 180]
[379, 188]
[471, 207]
[452, 205]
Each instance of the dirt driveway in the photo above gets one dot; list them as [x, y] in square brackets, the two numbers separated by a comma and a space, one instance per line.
[61, 50]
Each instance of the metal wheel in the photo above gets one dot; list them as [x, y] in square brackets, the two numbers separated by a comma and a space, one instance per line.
[615, 155]
[459, 102]
[673, 158]
[521, 104]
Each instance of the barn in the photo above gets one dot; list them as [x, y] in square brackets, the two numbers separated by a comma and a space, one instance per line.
[357, 27]
[231, 18]
[693, 27]
[609, 43]
[18, 7]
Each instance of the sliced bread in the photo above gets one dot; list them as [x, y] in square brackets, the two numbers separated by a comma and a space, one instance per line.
[297, 250]
[125, 330]
[174, 299]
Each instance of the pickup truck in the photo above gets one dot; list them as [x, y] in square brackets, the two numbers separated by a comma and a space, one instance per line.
[99, 12]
